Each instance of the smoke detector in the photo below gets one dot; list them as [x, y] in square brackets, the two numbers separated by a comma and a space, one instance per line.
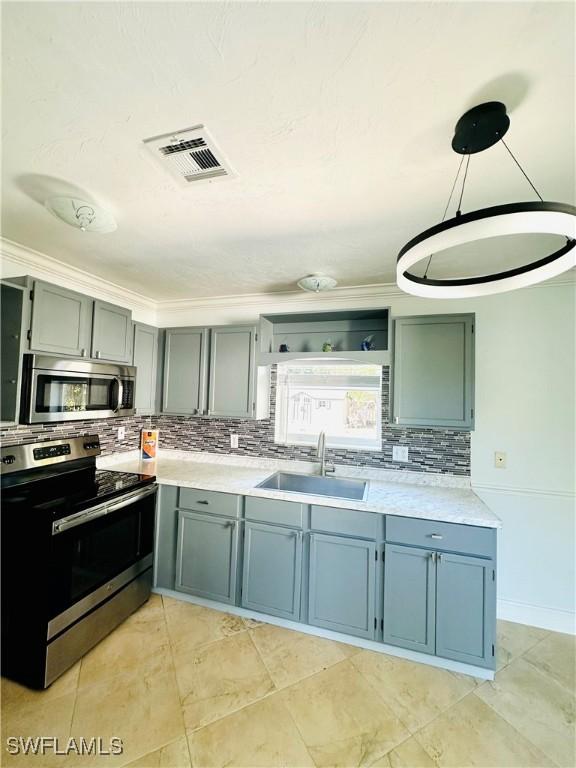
[80, 214]
[189, 155]
[317, 283]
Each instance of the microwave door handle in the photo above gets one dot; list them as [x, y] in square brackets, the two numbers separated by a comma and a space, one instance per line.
[120, 392]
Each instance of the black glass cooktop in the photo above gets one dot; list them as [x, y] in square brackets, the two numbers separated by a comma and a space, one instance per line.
[58, 493]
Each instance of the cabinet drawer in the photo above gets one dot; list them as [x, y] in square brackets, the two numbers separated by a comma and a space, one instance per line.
[454, 537]
[274, 511]
[350, 522]
[212, 502]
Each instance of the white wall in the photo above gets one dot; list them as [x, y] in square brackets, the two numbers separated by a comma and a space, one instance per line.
[525, 406]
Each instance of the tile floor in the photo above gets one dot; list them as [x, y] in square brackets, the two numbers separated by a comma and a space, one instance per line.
[187, 686]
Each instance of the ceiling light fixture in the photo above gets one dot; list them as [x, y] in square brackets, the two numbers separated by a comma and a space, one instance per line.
[477, 130]
[82, 215]
[317, 283]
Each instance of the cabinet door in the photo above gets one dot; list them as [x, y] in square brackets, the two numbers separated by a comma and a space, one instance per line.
[232, 371]
[11, 309]
[185, 371]
[61, 321]
[465, 609]
[409, 598]
[207, 554]
[272, 570]
[434, 371]
[112, 333]
[145, 359]
[342, 584]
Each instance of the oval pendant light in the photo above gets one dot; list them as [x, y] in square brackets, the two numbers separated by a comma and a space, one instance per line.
[480, 128]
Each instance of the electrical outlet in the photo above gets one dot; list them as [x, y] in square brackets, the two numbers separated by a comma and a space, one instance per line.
[499, 459]
[121, 433]
[233, 441]
[399, 453]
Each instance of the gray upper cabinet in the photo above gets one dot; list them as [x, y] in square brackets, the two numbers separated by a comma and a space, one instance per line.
[185, 371]
[111, 333]
[213, 372]
[207, 556]
[11, 327]
[465, 609]
[232, 362]
[409, 598]
[145, 356]
[434, 371]
[61, 321]
[272, 570]
[342, 584]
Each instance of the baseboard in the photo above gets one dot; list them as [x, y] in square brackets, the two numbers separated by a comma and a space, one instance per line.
[537, 616]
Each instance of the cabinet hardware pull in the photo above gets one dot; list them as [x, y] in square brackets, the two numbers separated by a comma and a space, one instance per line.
[436, 536]
[439, 557]
[83, 352]
[433, 556]
[203, 502]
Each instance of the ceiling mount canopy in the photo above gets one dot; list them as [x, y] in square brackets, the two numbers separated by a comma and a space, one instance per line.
[477, 130]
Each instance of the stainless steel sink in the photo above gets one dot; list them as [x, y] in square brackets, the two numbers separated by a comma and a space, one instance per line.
[315, 485]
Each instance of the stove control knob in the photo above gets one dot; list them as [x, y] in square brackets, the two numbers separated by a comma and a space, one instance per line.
[90, 446]
[10, 459]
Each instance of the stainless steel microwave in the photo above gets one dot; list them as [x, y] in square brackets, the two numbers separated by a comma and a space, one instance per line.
[64, 389]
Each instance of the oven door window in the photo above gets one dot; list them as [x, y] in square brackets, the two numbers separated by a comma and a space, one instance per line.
[64, 394]
[89, 555]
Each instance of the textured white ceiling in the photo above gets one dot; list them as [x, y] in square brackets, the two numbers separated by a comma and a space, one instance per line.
[337, 118]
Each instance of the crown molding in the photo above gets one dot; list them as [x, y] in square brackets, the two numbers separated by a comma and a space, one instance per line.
[167, 311]
[48, 268]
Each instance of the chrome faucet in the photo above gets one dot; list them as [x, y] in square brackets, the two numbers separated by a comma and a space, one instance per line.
[321, 453]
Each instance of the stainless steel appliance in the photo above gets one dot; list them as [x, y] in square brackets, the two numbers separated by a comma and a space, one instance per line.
[77, 552]
[64, 389]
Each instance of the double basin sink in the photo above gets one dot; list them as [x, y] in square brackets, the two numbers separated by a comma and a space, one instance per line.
[317, 485]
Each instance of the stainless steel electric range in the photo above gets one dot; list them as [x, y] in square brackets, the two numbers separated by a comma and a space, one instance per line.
[77, 551]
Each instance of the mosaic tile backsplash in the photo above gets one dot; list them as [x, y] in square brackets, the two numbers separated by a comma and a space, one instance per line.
[444, 451]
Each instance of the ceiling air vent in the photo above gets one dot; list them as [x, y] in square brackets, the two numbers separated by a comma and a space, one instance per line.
[189, 155]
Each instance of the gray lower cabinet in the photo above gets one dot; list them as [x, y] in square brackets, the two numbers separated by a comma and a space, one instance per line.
[465, 608]
[232, 364]
[440, 603]
[272, 570]
[434, 371]
[185, 371]
[207, 556]
[61, 321]
[409, 598]
[342, 582]
[111, 333]
[145, 356]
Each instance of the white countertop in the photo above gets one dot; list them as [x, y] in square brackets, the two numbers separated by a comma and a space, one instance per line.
[431, 497]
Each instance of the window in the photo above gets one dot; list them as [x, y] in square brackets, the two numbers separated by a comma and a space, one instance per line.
[342, 399]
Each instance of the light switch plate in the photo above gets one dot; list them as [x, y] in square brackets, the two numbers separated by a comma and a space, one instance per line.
[121, 433]
[233, 441]
[399, 453]
[499, 459]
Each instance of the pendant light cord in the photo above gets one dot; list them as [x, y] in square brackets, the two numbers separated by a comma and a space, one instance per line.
[448, 204]
[522, 169]
[459, 211]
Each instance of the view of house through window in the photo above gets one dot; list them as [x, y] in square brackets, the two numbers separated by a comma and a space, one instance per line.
[342, 399]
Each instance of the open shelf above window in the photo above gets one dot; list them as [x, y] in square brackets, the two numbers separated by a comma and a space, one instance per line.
[305, 334]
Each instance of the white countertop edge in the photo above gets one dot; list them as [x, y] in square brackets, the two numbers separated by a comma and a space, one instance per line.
[431, 479]
[446, 504]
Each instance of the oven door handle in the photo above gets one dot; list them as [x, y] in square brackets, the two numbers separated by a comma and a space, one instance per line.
[102, 509]
[119, 395]
[136, 496]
